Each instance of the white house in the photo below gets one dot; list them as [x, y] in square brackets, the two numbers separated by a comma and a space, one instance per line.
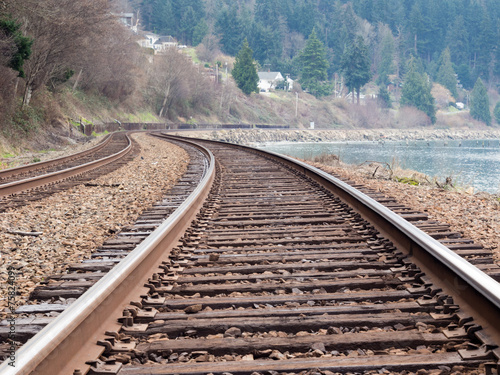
[148, 40]
[268, 80]
[163, 43]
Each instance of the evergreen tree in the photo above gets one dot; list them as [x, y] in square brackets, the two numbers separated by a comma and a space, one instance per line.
[199, 32]
[417, 91]
[383, 97]
[457, 39]
[386, 66]
[356, 66]
[21, 50]
[162, 17]
[496, 112]
[245, 71]
[480, 103]
[314, 67]
[465, 77]
[446, 74]
[230, 29]
[186, 25]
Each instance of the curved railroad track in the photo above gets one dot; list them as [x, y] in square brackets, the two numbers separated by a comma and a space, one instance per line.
[274, 267]
[31, 182]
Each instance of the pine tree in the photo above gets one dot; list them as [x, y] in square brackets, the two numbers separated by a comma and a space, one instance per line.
[383, 97]
[446, 74]
[314, 72]
[230, 29]
[480, 103]
[21, 49]
[356, 66]
[386, 66]
[417, 91]
[244, 71]
[496, 112]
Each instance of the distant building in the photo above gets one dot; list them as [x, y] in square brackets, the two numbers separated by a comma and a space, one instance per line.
[128, 19]
[269, 80]
[163, 43]
[156, 42]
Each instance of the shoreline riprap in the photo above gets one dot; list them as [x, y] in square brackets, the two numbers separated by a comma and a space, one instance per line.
[259, 136]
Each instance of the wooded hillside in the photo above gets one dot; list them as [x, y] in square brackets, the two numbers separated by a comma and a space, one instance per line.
[277, 30]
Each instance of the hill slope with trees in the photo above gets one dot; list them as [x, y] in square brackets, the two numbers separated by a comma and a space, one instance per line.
[64, 60]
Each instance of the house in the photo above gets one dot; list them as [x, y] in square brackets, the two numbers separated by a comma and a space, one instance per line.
[126, 18]
[148, 40]
[163, 43]
[269, 80]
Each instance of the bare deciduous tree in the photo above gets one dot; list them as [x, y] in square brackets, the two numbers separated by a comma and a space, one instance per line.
[174, 82]
[62, 30]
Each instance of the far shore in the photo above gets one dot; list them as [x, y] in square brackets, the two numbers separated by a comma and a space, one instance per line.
[253, 136]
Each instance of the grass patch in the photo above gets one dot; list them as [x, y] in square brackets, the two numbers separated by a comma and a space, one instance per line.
[407, 180]
[94, 134]
[191, 52]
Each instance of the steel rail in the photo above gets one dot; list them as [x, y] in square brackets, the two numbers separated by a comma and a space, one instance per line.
[45, 179]
[52, 350]
[470, 286]
[42, 164]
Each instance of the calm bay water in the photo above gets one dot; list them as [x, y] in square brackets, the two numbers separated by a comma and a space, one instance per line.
[473, 163]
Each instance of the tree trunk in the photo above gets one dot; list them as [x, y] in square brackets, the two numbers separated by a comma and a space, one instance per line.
[357, 94]
[15, 88]
[77, 80]
[27, 96]
[167, 92]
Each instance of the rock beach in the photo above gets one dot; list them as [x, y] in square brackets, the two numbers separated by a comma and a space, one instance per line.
[256, 136]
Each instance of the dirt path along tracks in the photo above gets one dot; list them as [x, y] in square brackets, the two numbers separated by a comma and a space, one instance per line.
[288, 271]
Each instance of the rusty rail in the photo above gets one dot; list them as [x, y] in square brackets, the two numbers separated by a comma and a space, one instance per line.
[478, 292]
[45, 179]
[52, 350]
[42, 164]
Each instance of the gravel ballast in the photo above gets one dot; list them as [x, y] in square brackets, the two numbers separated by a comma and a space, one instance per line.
[66, 227]
[476, 216]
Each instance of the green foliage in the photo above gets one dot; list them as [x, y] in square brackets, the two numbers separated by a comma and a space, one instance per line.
[27, 120]
[245, 71]
[199, 32]
[230, 28]
[356, 66]
[465, 77]
[386, 66]
[383, 97]
[314, 67]
[496, 112]
[446, 74]
[407, 180]
[22, 44]
[480, 103]
[417, 91]
[181, 19]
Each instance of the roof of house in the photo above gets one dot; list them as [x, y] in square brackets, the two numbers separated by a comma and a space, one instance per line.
[166, 39]
[268, 76]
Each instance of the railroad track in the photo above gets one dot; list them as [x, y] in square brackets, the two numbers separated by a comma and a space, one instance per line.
[32, 182]
[282, 269]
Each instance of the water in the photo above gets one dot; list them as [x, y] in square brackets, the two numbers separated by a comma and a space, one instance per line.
[474, 163]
